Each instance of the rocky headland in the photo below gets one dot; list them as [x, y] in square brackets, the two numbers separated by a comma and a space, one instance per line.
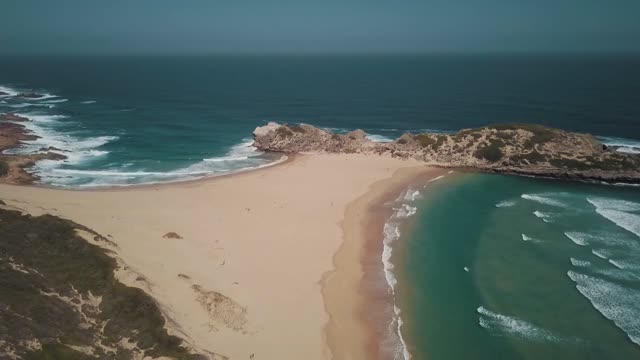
[518, 149]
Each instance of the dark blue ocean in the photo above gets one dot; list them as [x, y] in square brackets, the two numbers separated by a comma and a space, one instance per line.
[488, 266]
[137, 119]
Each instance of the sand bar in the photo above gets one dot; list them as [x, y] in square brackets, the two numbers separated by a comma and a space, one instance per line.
[244, 277]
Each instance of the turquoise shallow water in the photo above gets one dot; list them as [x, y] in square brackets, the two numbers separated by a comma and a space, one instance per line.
[511, 268]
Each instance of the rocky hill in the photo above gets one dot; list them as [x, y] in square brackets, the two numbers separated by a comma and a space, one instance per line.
[523, 149]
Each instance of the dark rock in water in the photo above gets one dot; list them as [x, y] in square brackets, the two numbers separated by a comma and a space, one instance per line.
[2, 93]
[30, 95]
[518, 149]
[2, 202]
[54, 156]
[51, 148]
[12, 117]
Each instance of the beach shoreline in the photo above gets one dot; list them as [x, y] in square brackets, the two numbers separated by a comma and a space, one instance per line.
[359, 322]
[239, 237]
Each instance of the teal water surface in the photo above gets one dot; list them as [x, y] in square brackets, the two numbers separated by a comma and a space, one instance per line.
[137, 119]
[512, 268]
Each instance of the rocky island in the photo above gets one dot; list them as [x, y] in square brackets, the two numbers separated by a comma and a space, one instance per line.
[518, 149]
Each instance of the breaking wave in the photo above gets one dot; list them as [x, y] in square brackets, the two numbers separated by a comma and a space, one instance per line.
[379, 138]
[621, 145]
[401, 210]
[546, 217]
[615, 302]
[506, 203]
[503, 325]
[543, 199]
[629, 222]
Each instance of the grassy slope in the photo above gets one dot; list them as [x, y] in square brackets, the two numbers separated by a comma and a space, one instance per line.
[54, 259]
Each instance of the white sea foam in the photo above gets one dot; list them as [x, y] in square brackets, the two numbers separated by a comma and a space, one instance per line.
[379, 138]
[391, 234]
[505, 203]
[88, 102]
[613, 204]
[543, 199]
[600, 253]
[395, 342]
[436, 178]
[616, 264]
[25, 105]
[411, 195]
[580, 263]
[55, 101]
[45, 96]
[406, 211]
[544, 216]
[503, 325]
[240, 157]
[70, 145]
[9, 91]
[405, 351]
[578, 238]
[627, 221]
[226, 158]
[528, 238]
[466, 269]
[615, 302]
[622, 145]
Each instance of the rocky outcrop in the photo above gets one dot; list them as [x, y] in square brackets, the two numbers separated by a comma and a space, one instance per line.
[306, 138]
[12, 117]
[13, 167]
[519, 149]
[12, 135]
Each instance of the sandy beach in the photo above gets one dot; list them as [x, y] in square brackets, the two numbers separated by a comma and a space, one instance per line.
[264, 264]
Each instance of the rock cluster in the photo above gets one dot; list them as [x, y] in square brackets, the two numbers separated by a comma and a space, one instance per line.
[12, 135]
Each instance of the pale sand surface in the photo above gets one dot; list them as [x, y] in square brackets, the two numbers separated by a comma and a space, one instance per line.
[347, 301]
[254, 249]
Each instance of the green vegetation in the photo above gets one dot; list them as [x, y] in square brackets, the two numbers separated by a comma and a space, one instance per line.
[432, 141]
[425, 140]
[491, 152]
[4, 168]
[615, 162]
[45, 255]
[402, 141]
[474, 133]
[57, 352]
